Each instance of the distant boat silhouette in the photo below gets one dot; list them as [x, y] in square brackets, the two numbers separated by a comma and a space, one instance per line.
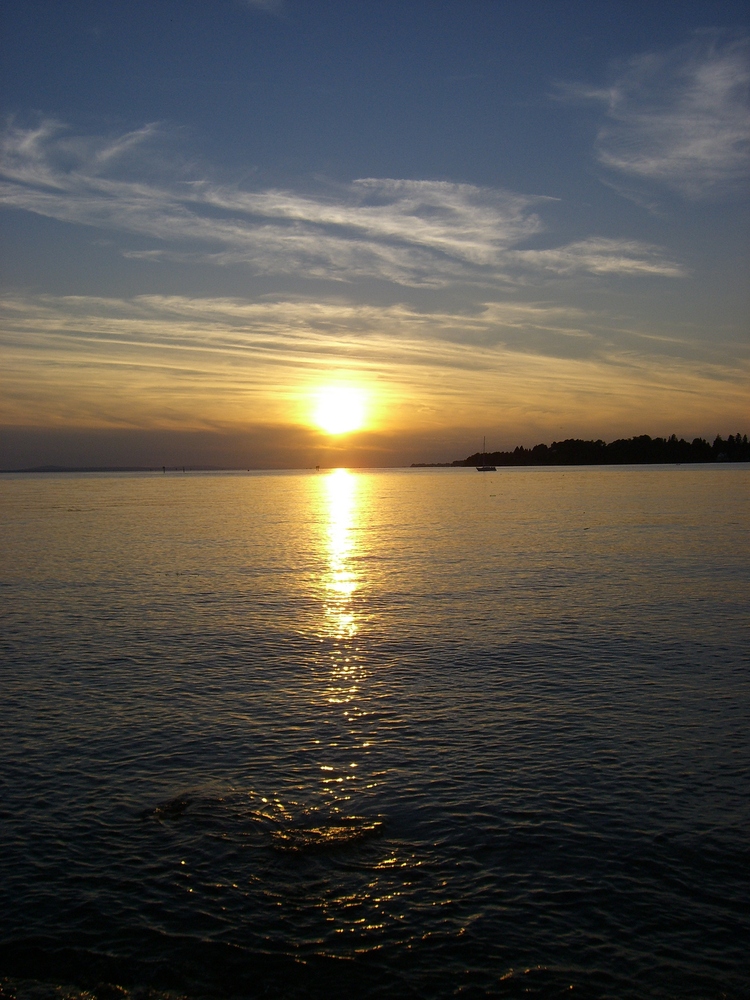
[484, 467]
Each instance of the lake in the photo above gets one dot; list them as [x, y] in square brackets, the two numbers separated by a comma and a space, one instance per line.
[399, 733]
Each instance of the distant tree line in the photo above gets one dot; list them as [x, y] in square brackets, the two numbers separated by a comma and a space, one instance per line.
[642, 450]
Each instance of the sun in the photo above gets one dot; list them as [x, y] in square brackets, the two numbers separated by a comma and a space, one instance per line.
[339, 410]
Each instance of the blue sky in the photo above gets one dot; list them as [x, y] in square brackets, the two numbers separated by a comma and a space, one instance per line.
[528, 221]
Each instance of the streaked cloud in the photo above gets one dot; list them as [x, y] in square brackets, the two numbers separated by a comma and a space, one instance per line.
[603, 256]
[315, 332]
[679, 119]
[418, 233]
[207, 363]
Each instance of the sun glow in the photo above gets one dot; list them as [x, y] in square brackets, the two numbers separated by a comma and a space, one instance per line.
[339, 410]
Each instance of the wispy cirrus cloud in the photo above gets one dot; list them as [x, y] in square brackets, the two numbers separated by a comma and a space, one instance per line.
[419, 233]
[288, 329]
[180, 362]
[678, 119]
[302, 332]
[603, 256]
[174, 360]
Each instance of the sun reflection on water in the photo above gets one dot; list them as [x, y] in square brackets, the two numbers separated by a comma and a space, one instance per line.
[341, 580]
[343, 664]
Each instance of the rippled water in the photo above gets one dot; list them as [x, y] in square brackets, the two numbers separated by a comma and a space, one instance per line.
[417, 733]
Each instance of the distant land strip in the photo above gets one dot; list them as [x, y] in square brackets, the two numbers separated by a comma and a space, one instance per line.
[642, 450]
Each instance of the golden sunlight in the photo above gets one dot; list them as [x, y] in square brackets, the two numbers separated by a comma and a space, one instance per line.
[339, 410]
[341, 581]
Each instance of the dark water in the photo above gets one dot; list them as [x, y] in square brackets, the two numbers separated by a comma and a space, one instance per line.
[397, 734]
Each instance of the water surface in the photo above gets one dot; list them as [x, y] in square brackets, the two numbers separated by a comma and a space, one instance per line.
[405, 733]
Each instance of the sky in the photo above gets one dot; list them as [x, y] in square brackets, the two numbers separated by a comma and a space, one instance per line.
[439, 221]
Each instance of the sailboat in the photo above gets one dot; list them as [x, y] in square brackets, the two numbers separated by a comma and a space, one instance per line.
[484, 467]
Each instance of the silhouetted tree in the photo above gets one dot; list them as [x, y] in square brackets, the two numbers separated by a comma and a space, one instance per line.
[641, 450]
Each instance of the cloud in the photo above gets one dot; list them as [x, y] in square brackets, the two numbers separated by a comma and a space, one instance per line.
[603, 256]
[173, 361]
[678, 119]
[225, 365]
[261, 343]
[419, 233]
[279, 330]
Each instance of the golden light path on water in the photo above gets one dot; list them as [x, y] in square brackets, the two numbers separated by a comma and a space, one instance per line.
[369, 911]
[364, 912]
[341, 723]
[341, 581]
[340, 625]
